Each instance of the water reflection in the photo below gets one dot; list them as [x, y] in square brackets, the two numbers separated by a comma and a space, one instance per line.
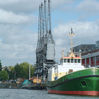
[35, 94]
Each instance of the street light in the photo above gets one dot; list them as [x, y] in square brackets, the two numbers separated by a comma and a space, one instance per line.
[29, 72]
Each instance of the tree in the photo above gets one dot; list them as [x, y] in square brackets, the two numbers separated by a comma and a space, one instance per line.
[22, 70]
[18, 71]
[3, 75]
[25, 69]
[32, 68]
[10, 71]
[0, 66]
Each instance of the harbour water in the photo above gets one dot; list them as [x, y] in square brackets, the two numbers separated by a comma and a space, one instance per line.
[35, 94]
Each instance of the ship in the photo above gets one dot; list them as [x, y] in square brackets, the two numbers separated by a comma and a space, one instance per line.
[70, 77]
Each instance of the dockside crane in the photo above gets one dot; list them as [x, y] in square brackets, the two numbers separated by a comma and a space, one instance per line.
[45, 50]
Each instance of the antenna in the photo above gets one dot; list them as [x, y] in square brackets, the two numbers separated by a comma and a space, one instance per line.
[71, 34]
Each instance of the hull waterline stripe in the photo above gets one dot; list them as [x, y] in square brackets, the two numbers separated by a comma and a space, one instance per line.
[89, 93]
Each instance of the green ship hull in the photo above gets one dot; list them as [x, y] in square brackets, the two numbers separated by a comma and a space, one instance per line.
[83, 82]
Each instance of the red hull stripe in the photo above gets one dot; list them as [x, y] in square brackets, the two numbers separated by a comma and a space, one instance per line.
[90, 93]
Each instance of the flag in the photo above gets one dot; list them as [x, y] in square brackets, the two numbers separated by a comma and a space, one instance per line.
[71, 33]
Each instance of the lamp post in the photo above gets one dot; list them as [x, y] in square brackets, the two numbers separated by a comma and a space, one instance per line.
[29, 72]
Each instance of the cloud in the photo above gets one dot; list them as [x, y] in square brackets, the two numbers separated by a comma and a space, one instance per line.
[26, 6]
[58, 3]
[89, 7]
[17, 5]
[8, 1]
[23, 6]
[12, 18]
[17, 44]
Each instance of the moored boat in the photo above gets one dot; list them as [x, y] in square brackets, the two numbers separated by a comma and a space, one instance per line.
[83, 82]
[70, 77]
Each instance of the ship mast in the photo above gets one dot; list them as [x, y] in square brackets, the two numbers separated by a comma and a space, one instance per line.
[71, 35]
[62, 53]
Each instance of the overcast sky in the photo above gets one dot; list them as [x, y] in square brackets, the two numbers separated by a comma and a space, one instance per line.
[18, 27]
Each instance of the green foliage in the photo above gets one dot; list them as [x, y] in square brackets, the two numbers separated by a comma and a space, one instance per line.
[3, 75]
[17, 71]
[25, 70]
[32, 68]
[20, 70]
[0, 66]
[11, 72]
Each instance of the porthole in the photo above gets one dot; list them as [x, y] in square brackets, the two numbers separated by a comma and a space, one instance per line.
[83, 83]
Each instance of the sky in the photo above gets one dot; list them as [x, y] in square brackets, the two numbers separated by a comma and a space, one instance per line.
[19, 29]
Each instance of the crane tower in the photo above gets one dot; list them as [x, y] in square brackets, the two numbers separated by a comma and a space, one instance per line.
[45, 50]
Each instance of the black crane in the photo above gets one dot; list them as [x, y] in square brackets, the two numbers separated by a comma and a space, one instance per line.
[45, 51]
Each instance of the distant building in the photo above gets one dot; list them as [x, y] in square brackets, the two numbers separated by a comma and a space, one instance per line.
[91, 58]
[89, 54]
[84, 48]
[97, 44]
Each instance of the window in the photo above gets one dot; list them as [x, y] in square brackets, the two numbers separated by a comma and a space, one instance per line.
[64, 60]
[78, 60]
[71, 60]
[75, 60]
[68, 60]
[97, 60]
[70, 70]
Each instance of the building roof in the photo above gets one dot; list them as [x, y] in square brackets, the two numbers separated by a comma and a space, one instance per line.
[90, 52]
